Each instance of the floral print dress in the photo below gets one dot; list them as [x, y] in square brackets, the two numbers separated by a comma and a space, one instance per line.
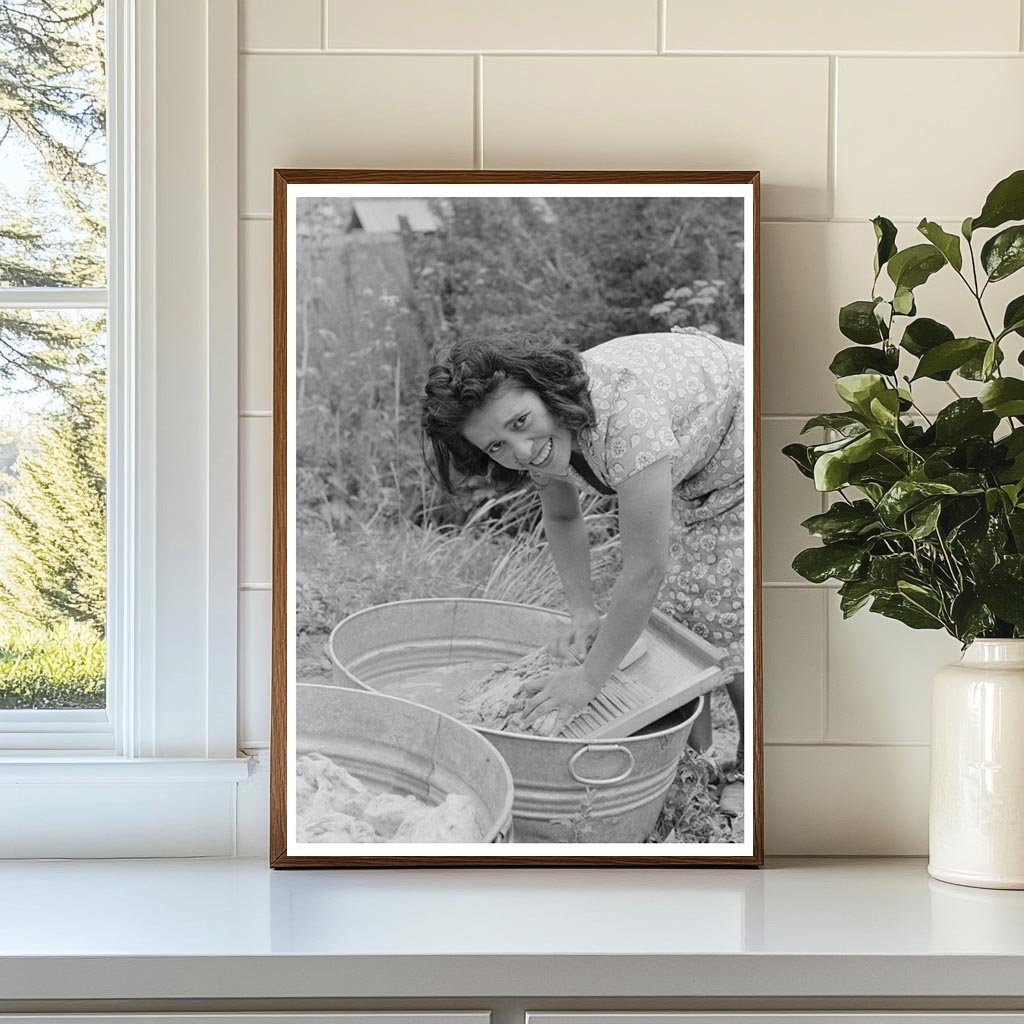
[679, 396]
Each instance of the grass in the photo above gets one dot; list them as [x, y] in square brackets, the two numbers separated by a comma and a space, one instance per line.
[60, 667]
[498, 553]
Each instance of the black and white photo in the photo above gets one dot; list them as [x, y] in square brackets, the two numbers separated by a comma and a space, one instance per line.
[516, 565]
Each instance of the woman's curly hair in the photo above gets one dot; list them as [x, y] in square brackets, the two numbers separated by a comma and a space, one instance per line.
[470, 372]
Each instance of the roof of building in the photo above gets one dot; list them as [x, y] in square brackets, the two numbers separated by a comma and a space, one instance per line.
[377, 216]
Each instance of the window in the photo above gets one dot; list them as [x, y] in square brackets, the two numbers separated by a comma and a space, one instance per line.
[155, 771]
[53, 373]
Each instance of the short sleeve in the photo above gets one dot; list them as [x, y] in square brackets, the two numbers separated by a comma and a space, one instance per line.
[639, 431]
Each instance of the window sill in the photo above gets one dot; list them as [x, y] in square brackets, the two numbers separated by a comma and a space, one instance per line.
[78, 767]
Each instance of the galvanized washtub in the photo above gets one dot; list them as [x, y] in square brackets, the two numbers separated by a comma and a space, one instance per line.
[566, 790]
[403, 747]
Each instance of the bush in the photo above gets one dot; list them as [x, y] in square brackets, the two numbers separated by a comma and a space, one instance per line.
[60, 667]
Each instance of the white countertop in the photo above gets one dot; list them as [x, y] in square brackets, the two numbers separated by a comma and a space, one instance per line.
[234, 928]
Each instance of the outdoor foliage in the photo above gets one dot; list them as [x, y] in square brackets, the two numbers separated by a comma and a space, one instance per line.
[52, 383]
[929, 522]
[52, 541]
[62, 667]
[578, 270]
[53, 119]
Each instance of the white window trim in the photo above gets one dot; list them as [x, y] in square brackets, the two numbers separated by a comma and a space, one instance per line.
[172, 501]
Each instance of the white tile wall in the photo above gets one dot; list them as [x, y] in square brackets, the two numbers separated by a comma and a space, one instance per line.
[943, 106]
[794, 663]
[787, 499]
[254, 610]
[255, 507]
[875, 25]
[331, 110]
[263, 24]
[698, 113]
[838, 138]
[471, 25]
[256, 300]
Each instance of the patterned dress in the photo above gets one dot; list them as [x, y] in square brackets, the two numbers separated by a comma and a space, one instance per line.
[679, 396]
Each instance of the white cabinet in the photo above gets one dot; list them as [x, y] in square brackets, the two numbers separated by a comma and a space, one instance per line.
[362, 1017]
[784, 1017]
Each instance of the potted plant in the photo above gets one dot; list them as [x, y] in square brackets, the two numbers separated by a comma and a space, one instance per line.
[927, 525]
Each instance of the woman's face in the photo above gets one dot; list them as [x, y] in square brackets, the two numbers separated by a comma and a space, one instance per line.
[516, 430]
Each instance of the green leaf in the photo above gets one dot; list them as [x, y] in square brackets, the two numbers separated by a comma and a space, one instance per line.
[966, 417]
[912, 267]
[904, 495]
[863, 447]
[971, 617]
[990, 361]
[947, 244]
[925, 518]
[1005, 597]
[903, 302]
[885, 409]
[923, 335]
[900, 609]
[858, 389]
[1005, 202]
[974, 368]
[854, 594]
[849, 361]
[831, 471]
[885, 235]
[843, 521]
[887, 570]
[1003, 254]
[965, 229]
[1013, 317]
[950, 355]
[840, 561]
[834, 420]
[799, 455]
[857, 321]
[1004, 397]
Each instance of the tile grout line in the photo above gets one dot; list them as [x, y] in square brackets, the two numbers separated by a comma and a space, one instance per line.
[478, 111]
[258, 51]
[323, 24]
[662, 41]
[854, 744]
[824, 714]
[831, 172]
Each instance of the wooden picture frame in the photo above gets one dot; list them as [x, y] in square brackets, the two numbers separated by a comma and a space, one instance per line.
[370, 302]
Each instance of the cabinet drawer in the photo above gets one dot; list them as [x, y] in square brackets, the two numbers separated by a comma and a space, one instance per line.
[359, 1017]
[785, 1017]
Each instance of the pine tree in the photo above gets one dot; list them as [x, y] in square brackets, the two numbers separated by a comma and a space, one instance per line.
[53, 121]
[53, 519]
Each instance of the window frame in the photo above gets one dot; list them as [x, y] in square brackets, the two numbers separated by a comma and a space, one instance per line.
[173, 468]
[58, 730]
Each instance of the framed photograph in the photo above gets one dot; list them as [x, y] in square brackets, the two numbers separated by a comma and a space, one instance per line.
[516, 612]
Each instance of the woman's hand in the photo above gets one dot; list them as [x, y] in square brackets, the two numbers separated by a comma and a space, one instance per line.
[557, 697]
[572, 643]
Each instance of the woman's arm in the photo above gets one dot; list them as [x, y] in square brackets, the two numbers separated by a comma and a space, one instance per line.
[570, 548]
[645, 515]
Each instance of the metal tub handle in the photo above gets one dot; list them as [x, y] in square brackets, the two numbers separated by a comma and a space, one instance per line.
[592, 748]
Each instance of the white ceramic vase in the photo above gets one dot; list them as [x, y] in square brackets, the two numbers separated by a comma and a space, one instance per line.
[976, 814]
